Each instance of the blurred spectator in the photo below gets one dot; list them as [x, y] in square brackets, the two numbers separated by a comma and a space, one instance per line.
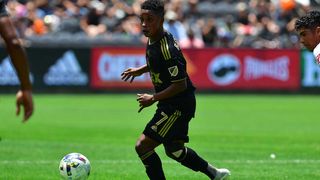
[177, 29]
[194, 23]
[268, 34]
[131, 26]
[244, 26]
[91, 23]
[209, 32]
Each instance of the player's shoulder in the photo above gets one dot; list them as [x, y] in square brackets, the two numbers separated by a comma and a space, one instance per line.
[169, 46]
[171, 41]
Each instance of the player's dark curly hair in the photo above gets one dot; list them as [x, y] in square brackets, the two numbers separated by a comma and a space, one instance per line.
[310, 21]
[156, 6]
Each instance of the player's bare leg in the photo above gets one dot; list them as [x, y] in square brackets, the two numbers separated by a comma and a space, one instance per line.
[145, 148]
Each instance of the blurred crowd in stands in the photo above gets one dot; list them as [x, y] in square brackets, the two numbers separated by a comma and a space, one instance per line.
[194, 23]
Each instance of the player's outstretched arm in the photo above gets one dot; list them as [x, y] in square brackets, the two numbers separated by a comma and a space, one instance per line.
[19, 60]
[133, 72]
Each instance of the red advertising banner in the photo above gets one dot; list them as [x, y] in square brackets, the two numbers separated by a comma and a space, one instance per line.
[245, 69]
[108, 63]
[215, 69]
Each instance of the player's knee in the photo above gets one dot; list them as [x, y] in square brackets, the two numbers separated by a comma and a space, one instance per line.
[139, 147]
[176, 151]
[142, 147]
[145, 144]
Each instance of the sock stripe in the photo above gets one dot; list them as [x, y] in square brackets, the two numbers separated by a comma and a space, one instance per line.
[146, 155]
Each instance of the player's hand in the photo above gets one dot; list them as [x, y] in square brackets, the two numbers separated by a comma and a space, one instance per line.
[24, 98]
[145, 100]
[130, 73]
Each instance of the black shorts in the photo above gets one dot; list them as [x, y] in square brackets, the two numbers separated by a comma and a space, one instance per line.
[170, 123]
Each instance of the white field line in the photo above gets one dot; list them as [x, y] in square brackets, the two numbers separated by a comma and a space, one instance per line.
[273, 161]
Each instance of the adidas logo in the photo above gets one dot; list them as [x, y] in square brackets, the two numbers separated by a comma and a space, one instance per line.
[66, 71]
[8, 76]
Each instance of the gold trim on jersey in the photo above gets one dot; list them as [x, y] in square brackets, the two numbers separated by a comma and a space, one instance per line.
[178, 80]
[164, 130]
[165, 48]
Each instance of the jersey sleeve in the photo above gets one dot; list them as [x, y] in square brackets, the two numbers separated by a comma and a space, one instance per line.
[174, 61]
[176, 69]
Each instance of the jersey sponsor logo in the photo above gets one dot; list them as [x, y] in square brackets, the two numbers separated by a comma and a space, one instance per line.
[8, 74]
[224, 69]
[165, 48]
[155, 78]
[173, 71]
[66, 71]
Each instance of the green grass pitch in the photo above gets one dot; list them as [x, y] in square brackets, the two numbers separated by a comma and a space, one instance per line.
[238, 132]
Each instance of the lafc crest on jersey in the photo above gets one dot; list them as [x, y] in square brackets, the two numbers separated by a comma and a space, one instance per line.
[173, 71]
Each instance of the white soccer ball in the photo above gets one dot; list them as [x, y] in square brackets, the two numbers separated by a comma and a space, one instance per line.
[74, 166]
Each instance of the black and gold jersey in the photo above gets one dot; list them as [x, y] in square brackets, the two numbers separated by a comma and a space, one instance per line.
[167, 65]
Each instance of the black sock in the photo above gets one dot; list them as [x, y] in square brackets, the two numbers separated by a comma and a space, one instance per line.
[153, 166]
[193, 161]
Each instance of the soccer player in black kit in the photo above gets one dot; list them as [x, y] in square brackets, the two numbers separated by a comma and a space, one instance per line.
[175, 95]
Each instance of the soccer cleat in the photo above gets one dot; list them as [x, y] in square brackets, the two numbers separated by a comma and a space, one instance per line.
[222, 174]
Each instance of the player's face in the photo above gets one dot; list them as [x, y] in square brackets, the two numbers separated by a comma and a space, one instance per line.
[152, 24]
[309, 38]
